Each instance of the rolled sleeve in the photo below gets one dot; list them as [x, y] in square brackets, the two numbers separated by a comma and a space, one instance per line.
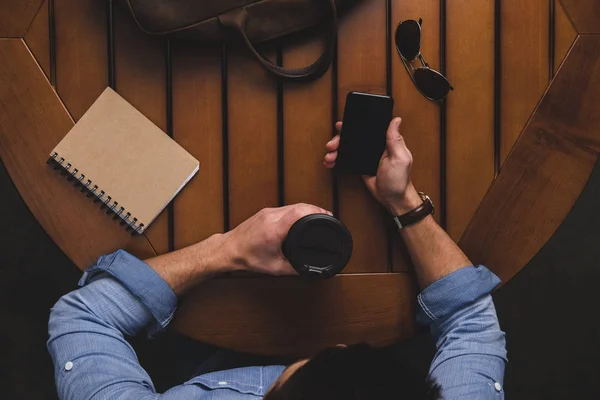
[120, 297]
[453, 292]
[471, 347]
[141, 281]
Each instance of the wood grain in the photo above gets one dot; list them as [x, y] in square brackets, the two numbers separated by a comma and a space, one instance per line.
[524, 47]
[470, 109]
[81, 52]
[376, 308]
[252, 116]
[307, 112]
[584, 14]
[197, 126]
[420, 117]
[546, 171]
[16, 16]
[32, 121]
[564, 34]
[37, 38]
[140, 78]
[361, 67]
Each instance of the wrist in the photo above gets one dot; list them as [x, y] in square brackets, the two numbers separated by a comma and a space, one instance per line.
[213, 255]
[409, 200]
[233, 256]
[187, 267]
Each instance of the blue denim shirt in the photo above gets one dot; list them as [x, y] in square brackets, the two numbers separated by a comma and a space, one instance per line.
[122, 296]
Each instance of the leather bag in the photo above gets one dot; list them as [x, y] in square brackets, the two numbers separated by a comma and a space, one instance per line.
[252, 21]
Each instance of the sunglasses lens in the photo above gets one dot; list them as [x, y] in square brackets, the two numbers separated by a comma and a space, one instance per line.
[431, 83]
[408, 39]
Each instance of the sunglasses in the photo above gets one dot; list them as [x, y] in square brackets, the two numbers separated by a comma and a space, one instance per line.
[429, 82]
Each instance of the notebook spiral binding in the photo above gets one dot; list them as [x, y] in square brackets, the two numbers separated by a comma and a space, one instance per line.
[99, 195]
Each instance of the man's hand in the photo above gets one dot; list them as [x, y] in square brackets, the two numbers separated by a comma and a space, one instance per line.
[432, 251]
[255, 244]
[392, 185]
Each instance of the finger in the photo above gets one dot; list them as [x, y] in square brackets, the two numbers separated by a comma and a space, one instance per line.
[333, 144]
[275, 214]
[328, 165]
[279, 212]
[338, 126]
[395, 144]
[331, 157]
[299, 211]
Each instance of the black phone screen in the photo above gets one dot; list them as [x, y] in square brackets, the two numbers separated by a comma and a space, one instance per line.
[362, 140]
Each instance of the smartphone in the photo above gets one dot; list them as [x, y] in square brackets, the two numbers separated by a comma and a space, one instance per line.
[362, 140]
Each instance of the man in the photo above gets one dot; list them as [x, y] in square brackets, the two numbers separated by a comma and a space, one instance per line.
[123, 296]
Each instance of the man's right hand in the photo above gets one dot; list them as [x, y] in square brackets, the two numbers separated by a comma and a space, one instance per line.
[392, 185]
[255, 244]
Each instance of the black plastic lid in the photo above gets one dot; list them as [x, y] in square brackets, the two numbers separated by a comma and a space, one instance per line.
[318, 245]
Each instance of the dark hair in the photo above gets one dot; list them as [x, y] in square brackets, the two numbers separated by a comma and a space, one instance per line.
[359, 372]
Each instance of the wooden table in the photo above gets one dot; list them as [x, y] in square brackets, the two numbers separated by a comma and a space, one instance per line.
[260, 144]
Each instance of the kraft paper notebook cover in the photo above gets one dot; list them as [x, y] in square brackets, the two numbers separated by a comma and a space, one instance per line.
[121, 159]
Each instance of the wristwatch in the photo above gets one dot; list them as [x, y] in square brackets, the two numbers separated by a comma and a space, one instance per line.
[412, 217]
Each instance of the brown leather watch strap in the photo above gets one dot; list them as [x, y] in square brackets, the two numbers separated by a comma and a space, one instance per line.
[426, 208]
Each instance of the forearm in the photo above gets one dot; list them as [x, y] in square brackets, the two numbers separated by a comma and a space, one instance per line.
[455, 296]
[186, 268]
[433, 253]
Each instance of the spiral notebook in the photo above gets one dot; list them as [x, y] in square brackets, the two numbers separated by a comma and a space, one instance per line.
[120, 159]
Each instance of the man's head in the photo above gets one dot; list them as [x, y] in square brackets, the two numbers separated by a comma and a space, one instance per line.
[357, 372]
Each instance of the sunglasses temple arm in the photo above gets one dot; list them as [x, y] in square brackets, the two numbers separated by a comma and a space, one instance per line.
[422, 59]
[410, 72]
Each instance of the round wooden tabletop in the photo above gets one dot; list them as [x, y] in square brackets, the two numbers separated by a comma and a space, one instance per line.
[260, 144]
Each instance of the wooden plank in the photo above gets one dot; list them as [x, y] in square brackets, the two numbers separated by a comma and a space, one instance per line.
[140, 77]
[546, 171]
[564, 35]
[252, 116]
[470, 124]
[38, 38]
[81, 52]
[32, 121]
[524, 47]
[420, 117]
[377, 308]
[16, 16]
[585, 15]
[197, 127]
[307, 111]
[361, 67]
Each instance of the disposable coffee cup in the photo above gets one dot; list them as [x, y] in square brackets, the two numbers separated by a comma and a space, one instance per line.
[318, 245]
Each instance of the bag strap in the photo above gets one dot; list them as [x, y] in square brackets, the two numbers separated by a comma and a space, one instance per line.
[236, 21]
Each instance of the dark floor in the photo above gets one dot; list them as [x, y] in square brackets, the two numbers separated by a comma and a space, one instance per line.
[548, 310]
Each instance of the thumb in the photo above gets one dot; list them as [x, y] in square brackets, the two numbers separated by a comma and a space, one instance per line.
[393, 139]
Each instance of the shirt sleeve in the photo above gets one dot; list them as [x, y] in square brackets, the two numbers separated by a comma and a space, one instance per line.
[471, 347]
[120, 296]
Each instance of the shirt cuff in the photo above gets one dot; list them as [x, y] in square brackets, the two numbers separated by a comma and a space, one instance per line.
[141, 281]
[453, 292]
